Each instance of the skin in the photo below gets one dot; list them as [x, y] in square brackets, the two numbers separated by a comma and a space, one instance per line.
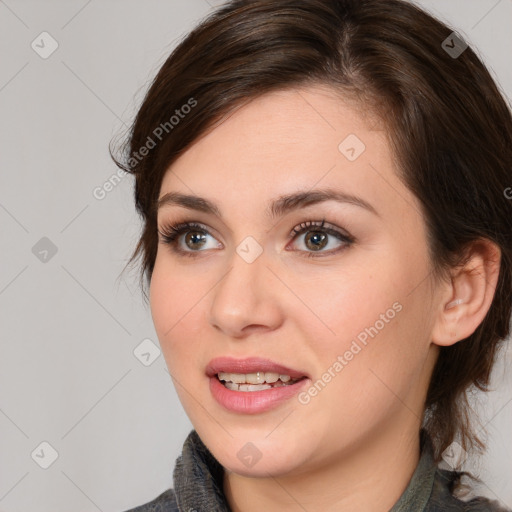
[355, 445]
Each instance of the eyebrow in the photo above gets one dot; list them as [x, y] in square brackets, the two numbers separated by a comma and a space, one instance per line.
[276, 208]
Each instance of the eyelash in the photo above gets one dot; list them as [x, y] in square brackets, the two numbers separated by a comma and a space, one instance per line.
[170, 234]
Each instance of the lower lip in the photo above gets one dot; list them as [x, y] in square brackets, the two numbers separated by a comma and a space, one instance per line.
[253, 402]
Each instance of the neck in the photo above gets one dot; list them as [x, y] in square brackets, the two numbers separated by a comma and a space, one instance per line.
[372, 476]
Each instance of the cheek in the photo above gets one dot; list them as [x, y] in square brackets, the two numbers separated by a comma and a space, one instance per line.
[365, 324]
[343, 302]
[175, 309]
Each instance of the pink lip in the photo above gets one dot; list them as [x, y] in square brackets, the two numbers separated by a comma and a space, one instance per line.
[253, 402]
[250, 365]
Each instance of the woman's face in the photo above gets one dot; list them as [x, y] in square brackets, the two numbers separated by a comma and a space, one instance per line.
[350, 304]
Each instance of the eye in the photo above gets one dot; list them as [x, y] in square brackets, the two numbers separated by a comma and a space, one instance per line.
[318, 237]
[195, 239]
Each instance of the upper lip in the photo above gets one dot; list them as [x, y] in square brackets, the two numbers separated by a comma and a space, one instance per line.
[250, 365]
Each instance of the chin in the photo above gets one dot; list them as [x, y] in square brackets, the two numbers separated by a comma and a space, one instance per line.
[261, 469]
[258, 458]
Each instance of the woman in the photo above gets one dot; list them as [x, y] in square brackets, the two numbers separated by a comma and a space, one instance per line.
[327, 240]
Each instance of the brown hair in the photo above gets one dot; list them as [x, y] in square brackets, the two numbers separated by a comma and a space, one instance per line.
[449, 127]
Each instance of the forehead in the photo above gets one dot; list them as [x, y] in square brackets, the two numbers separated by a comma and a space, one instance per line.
[285, 141]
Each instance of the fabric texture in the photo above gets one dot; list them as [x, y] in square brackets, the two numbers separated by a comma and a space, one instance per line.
[198, 486]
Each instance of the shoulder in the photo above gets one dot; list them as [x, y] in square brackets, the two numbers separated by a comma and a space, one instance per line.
[442, 499]
[165, 502]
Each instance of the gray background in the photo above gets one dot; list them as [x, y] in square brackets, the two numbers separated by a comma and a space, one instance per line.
[69, 326]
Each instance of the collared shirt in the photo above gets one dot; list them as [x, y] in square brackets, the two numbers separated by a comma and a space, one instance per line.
[198, 486]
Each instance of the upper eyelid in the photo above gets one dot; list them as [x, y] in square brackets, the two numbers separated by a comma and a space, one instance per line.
[184, 223]
[325, 225]
[297, 230]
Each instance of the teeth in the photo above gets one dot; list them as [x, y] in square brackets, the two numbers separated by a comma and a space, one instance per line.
[253, 378]
[247, 387]
[252, 387]
[254, 381]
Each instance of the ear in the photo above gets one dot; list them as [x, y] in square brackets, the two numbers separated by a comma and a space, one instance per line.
[466, 300]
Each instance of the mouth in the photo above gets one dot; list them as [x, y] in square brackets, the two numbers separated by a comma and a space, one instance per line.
[254, 385]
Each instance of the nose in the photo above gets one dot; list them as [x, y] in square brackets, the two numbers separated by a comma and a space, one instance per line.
[246, 299]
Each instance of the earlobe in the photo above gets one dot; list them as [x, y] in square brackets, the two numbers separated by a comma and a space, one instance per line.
[448, 328]
[466, 301]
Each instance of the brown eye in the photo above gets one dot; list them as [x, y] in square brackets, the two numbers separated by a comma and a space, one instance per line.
[317, 237]
[316, 240]
[195, 239]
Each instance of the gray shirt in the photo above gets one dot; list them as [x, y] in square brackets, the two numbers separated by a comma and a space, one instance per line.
[198, 486]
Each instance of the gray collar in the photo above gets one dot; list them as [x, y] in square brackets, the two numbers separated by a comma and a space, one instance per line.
[198, 478]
